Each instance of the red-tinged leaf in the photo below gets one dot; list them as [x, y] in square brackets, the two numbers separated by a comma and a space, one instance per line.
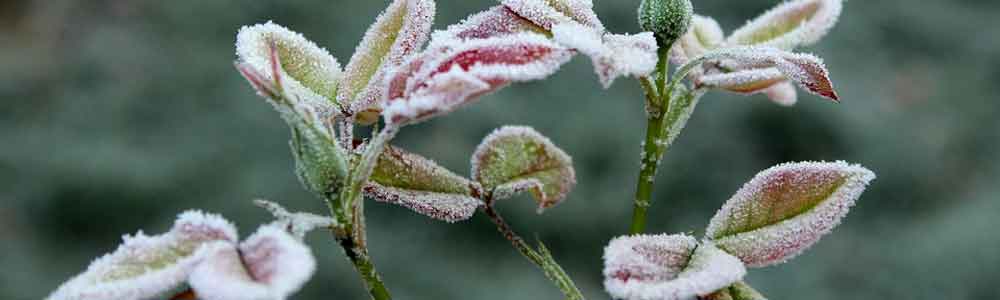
[548, 13]
[513, 159]
[307, 72]
[786, 209]
[452, 73]
[790, 24]
[751, 63]
[420, 184]
[397, 34]
[666, 267]
[496, 21]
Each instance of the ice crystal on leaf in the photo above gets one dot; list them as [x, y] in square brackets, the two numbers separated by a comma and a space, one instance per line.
[417, 183]
[548, 13]
[786, 209]
[757, 69]
[790, 24]
[453, 72]
[297, 223]
[397, 34]
[613, 55]
[666, 267]
[495, 21]
[513, 159]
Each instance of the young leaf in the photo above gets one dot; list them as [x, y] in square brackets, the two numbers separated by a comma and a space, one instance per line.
[398, 33]
[703, 35]
[308, 73]
[790, 24]
[786, 209]
[269, 265]
[148, 266]
[513, 159]
[320, 162]
[495, 21]
[666, 267]
[613, 55]
[756, 69]
[548, 13]
[423, 186]
[452, 73]
[297, 223]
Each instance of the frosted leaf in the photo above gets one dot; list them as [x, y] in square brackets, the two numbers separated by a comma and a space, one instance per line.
[515, 158]
[452, 73]
[297, 223]
[320, 162]
[398, 33]
[790, 24]
[806, 70]
[613, 55]
[786, 209]
[496, 21]
[666, 267]
[148, 266]
[783, 93]
[703, 35]
[548, 13]
[417, 183]
[744, 81]
[308, 74]
[269, 265]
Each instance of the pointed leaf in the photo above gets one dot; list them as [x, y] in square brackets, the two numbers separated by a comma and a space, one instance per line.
[755, 69]
[666, 267]
[496, 21]
[308, 73]
[703, 35]
[786, 209]
[269, 265]
[548, 13]
[613, 55]
[417, 183]
[790, 24]
[148, 266]
[514, 159]
[453, 72]
[398, 33]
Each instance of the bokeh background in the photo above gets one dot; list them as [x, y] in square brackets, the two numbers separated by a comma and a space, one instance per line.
[118, 114]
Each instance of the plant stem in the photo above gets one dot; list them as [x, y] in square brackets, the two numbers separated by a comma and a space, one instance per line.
[544, 260]
[657, 106]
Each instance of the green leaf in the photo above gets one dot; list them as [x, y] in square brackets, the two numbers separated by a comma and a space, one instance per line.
[515, 159]
[738, 291]
[415, 182]
[307, 72]
[320, 162]
[790, 24]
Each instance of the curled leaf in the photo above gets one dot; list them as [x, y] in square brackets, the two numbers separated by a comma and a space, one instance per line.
[269, 265]
[756, 69]
[786, 209]
[307, 72]
[398, 33]
[548, 13]
[417, 183]
[452, 73]
[666, 267]
[514, 159]
[790, 24]
[148, 266]
[495, 21]
[613, 55]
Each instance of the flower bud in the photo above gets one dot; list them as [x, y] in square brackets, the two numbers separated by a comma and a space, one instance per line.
[667, 19]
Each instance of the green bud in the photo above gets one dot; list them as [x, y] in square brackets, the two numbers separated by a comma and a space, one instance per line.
[667, 19]
[319, 162]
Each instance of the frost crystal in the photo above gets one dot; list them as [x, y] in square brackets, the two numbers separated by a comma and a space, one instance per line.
[496, 21]
[452, 73]
[548, 13]
[397, 34]
[417, 183]
[666, 267]
[789, 25]
[760, 68]
[613, 55]
[298, 223]
[786, 209]
[514, 158]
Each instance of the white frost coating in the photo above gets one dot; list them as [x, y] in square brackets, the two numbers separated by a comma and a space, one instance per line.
[666, 267]
[783, 94]
[297, 223]
[505, 182]
[704, 35]
[148, 266]
[744, 81]
[790, 24]
[309, 74]
[548, 13]
[270, 265]
[397, 34]
[453, 72]
[806, 70]
[775, 241]
[613, 55]
[441, 206]
[495, 21]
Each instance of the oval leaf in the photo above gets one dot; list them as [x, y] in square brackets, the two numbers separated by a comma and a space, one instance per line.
[548, 13]
[514, 159]
[666, 267]
[790, 24]
[786, 209]
[423, 186]
[148, 266]
[398, 33]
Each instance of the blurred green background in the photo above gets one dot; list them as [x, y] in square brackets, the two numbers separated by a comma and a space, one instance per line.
[116, 115]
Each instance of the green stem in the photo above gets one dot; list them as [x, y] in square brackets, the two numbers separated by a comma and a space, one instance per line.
[542, 258]
[657, 104]
[358, 255]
